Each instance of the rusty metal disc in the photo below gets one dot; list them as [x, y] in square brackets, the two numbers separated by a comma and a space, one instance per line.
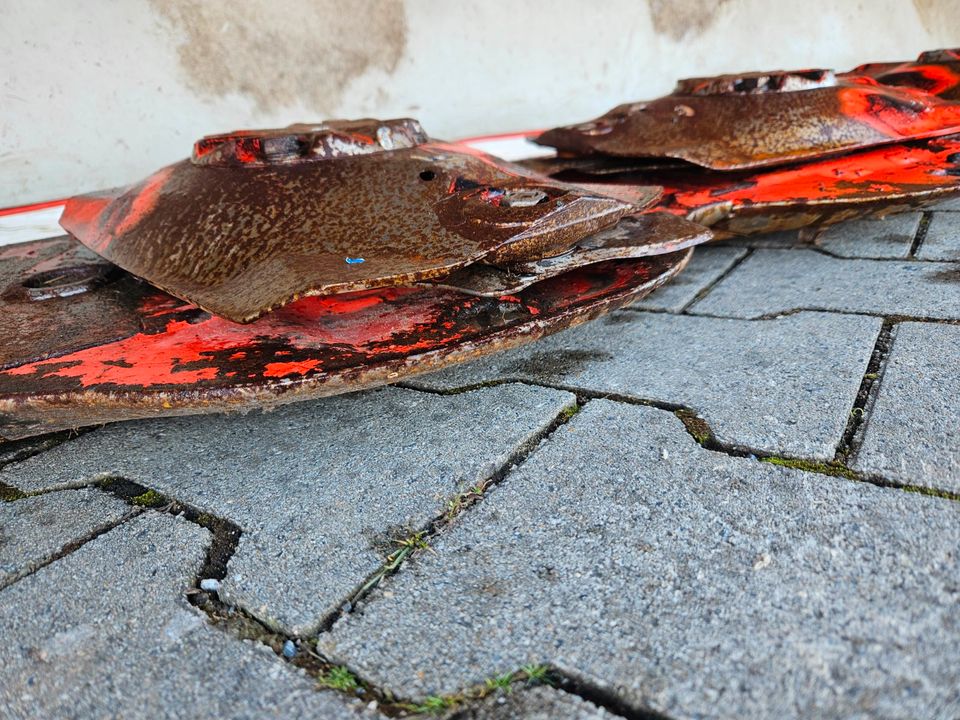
[935, 71]
[874, 182]
[736, 122]
[126, 350]
[640, 235]
[257, 219]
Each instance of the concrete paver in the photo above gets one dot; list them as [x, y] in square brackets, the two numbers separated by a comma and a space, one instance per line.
[770, 282]
[783, 386]
[707, 264]
[687, 582]
[942, 241]
[910, 435]
[35, 529]
[538, 703]
[889, 237]
[107, 632]
[321, 489]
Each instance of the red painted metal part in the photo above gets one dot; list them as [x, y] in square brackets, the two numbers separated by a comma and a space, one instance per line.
[935, 71]
[260, 218]
[874, 182]
[739, 122]
[118, 349]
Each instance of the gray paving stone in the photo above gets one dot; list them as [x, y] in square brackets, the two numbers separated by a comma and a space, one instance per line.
[784, 386]
[952, 205]
[34, 529]
[688, 582]
[910, 435]
[776, 281]
[320, 489]
[707, 264]
[106, 632]
[942, 241]
[889, 237]
[538, 703]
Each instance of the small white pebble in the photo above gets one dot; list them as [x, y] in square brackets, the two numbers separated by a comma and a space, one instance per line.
[664, 455]
[210, 585]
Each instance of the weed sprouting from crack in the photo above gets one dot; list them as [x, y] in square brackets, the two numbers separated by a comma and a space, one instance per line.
[392, 563]
[417, 541]
[527, 675]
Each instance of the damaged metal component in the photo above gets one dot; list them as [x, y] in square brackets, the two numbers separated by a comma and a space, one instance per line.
[754, 120]
[635, 236]
[257, 219]
[876, 182]
[125, 350]
[935, 71]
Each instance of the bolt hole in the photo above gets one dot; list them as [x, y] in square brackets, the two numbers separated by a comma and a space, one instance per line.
[64, 282]
[428, 175]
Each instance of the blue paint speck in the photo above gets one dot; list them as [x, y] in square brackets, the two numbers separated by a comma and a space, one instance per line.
[289, 649]
[354, 261]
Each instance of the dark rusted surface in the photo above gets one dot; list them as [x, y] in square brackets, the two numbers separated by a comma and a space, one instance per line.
[935, 71]
[874, 182]
[40, 280]
[879, 181]
[757, 120]
[635, 236]
[158, 355]
[257, 219]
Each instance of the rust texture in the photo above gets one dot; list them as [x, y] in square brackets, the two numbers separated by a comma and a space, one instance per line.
[640, 235]
[257, 219]
[755, 120]
[144, 353]
[875, 182]
[935, 71]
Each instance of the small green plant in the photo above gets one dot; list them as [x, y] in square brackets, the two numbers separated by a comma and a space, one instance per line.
[433, 704]
[339, 678]
[569, 412]
[536, 674]
[150, 499]
[500, 682]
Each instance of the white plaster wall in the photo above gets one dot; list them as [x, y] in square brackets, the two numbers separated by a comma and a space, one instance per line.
[100, 93]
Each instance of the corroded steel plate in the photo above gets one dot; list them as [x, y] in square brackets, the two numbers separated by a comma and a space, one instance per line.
[257, 219]
[735, 122]
[635, 236]
[162, 356]
[875, 182]
[935, 71]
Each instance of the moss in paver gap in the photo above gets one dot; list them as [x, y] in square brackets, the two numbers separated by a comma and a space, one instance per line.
[695, 425]
[533, 674]
[150, 499]
[834, 469]
[9, 494]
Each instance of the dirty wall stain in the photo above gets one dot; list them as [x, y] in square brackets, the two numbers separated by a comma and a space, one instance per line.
[678, 18]
[279, 52]
[940, 18]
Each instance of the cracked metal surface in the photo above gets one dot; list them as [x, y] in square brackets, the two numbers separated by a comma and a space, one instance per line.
[736, 122]
[257, 219]
[162, 356]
